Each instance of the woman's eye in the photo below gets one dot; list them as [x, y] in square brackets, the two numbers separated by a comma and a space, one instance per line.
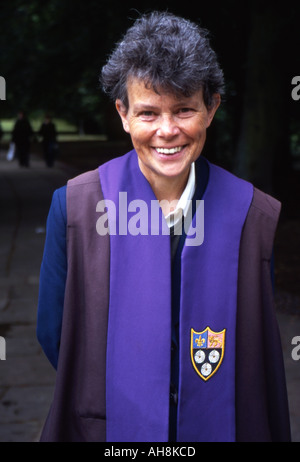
[185, 110]
[147, 115]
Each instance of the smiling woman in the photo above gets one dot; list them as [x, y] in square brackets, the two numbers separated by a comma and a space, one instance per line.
[119, 304]
[168, 133]
[167, 85]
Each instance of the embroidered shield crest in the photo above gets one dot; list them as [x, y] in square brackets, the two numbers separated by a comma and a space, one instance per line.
[207, 351]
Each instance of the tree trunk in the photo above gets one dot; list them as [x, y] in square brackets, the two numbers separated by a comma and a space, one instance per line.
[264, 133]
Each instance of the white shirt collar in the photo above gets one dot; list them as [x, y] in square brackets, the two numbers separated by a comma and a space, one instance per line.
[184, 202]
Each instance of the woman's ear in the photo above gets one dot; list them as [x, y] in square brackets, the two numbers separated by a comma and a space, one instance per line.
[216, 101]
[122, 110]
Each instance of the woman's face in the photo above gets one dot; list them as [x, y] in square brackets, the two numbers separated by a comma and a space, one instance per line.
[168, 132]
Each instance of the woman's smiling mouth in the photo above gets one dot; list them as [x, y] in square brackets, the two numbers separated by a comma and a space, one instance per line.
[169, 151]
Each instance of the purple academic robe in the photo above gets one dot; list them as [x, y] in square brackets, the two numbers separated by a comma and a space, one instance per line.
[93, 399]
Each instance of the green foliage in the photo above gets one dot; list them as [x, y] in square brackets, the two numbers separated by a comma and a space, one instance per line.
[51, 54]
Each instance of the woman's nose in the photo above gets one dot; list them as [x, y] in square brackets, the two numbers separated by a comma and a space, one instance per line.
[168, 127]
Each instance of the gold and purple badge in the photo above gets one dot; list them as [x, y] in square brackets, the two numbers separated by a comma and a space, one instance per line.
[207, 351]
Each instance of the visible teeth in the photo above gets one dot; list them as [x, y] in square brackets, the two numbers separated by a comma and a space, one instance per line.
[168, 151]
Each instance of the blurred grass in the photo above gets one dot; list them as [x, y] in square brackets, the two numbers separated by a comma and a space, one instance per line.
[67, 132]
[61, 124]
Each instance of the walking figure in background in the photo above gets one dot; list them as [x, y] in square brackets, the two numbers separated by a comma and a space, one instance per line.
[48, 133]
[21, 136]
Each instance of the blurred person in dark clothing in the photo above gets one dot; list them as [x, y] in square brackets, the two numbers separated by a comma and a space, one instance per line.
[48, 133]
[21, 136]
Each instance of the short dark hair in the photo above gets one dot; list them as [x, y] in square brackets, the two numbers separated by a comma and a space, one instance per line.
[166, 52]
